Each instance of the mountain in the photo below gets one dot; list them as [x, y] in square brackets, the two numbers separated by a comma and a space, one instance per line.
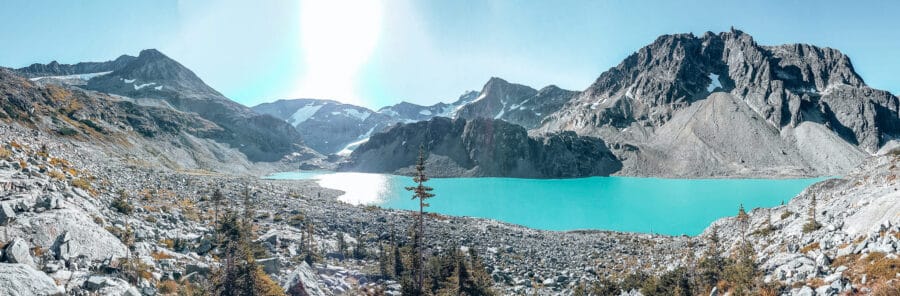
[116, 126]
[482, 147]
[54, 68]
[333, 127]
[723, 105]
[326, 126]
[515, 103]
[409, 112]
[153, 78]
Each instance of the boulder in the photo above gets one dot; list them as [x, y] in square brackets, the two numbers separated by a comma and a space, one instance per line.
[95, 283]
[200, 268]
[6, 213]
[270, 265]
[303, 278]
[70, 232]
[22, 280]
[18, 252]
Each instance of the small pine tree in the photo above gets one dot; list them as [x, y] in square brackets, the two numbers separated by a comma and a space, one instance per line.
[711, 264]
[811, 224]
[359, 250]
[422, 193]
[743, 218]
[742, 274]
[240, 275]
[398, 262]
[342, 245]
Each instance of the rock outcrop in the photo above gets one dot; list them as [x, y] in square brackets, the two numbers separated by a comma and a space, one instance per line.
[482, 147]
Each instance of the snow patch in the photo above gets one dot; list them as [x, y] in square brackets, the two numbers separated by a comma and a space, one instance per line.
[303, 114]
[127, 80]
[356, 113]
[714, 84]
[425, 112]
[158, 87]
[352, 146]
[138, 87]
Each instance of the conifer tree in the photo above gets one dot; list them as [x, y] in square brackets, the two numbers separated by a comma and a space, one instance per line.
[342, 245]
[422, 193]
[711, 265]
[398, 262]
[743, 218]
[359, 250]
[811, 224]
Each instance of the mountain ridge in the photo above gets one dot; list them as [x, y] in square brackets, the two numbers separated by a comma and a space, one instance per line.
[153, 76]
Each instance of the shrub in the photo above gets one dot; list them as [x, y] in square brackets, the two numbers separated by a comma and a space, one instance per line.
[811, 226]
[160, 255]
[786, 214]
[55, 174]
[92, 125]
[5, 153]
[881, 267]
[81, 184]
[67, 131]
[167, 287]
[122, 206]
[169, 243]
[810, 247]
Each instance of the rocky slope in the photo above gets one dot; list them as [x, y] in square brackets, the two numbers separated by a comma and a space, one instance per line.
[482, 147]
[855, 248]
[154, 79]
[131, 131]
[798, 98]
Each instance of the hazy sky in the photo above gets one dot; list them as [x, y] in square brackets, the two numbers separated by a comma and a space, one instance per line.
[376, 53]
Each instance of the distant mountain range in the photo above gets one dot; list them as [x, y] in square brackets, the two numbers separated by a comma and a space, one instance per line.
[716, 105]
[700, 106]
[332, 127]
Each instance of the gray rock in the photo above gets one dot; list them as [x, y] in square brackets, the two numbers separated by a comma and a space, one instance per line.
[6, 213]
[23, 280]
[305, 277]
[83, 236]
[805, 291]
[95, 282]
[199, 268]
[18, 251]
[270, 265]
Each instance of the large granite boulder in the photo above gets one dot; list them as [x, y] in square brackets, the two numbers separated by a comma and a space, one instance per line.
[22, 280]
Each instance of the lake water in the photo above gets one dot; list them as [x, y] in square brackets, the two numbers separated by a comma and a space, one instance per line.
[665, 206]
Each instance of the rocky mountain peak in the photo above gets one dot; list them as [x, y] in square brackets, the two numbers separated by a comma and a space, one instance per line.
[151, 53]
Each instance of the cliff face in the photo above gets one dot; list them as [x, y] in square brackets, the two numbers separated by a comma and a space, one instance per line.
[482, 147]
[783, 95]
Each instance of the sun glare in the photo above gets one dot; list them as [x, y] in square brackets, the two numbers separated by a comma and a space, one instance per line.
[337, 38]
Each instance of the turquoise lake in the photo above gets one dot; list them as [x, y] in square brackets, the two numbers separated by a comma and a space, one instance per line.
[664, 206]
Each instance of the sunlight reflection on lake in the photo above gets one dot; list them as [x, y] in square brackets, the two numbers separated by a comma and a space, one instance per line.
[366, 189]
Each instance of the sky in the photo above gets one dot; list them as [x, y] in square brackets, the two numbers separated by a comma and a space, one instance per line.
[379, 52]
